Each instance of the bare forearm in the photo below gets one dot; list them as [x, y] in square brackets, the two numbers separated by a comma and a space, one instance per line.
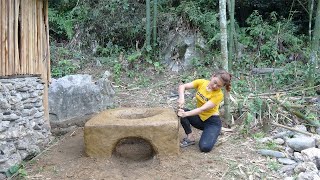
[181, 91]
[193, 112]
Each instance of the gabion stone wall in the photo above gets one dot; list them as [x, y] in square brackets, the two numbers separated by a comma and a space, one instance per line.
[23, 130]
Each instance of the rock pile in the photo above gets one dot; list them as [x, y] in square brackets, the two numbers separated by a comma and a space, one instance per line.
[299, 153]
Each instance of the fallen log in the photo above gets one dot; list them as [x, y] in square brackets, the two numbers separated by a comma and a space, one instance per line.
[265, 70]
[292, 129]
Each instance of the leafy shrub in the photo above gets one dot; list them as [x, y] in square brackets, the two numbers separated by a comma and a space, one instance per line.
[63, 60]
[272, 42]
[202, 15]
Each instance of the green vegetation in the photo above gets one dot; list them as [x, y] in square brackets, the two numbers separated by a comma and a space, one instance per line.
[18, 171]
[112, 34]
[273, 165]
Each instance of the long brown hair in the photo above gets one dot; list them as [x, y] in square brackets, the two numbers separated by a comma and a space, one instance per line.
[225, 77]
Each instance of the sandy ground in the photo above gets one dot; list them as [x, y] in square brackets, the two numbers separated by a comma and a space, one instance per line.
[233, 157]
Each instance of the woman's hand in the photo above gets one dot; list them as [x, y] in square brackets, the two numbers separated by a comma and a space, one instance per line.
[181, 113]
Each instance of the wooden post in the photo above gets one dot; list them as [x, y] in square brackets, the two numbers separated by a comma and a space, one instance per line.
[46, 56]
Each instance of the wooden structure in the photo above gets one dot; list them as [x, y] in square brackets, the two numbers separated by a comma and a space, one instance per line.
[24, 46]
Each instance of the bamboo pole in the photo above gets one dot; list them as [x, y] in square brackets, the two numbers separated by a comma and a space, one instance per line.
[6, 37]
[1, 45]
[28, 8]
[47, 57]
[48, 75]
[23, 38]
[26, 37]
[43, 50]
[43, 47]
[40, 35]
[32, 22]
[36, 45]
[10, 37]
[16, 36]
[34, 36]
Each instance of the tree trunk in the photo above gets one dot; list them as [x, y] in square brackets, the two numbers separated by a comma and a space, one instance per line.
[311, 2]
[224, 54]
[155, 14]
[231, 33]
[314, 47]
[148, 34]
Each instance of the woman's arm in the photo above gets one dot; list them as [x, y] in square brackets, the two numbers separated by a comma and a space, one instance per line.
[206, 106]
[181, 90]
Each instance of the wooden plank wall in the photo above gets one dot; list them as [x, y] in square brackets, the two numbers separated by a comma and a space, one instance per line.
[24, 47]
[24, 41]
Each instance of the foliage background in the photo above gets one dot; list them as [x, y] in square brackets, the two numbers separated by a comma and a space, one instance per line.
[269, 34]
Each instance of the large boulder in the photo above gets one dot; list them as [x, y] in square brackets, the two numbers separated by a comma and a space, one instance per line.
[183, 46]
[74, 99]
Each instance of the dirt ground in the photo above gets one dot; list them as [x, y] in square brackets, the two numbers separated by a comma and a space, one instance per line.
[233, 157]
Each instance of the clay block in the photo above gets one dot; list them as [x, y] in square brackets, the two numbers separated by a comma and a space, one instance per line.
[157, 126]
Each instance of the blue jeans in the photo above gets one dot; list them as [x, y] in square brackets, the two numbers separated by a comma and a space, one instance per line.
[211, 130]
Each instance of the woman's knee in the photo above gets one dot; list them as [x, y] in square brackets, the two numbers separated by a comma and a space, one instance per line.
[205, 147]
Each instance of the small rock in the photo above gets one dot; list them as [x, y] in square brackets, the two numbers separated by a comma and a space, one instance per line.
[299, 144]
[286, 161]
[272, 153]
[279, 141]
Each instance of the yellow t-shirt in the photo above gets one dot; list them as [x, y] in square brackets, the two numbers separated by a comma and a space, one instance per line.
[203, 95]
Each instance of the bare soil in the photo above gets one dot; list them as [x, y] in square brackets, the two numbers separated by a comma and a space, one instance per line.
[233, 157]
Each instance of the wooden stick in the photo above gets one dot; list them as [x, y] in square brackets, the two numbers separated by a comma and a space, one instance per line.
[226, 129]
[292, 129]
